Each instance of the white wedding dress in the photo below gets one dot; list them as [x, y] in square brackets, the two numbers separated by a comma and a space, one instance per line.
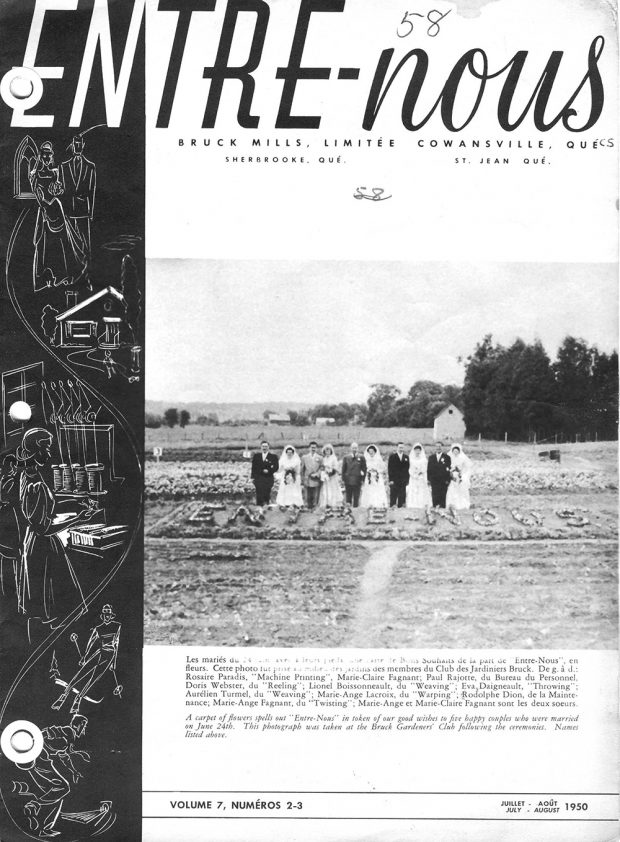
[373, 493]
[457, 496]
[289, 473]
[331, 492]
[418, 492]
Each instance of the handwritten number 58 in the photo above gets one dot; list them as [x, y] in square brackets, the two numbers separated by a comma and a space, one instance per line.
[433, 17]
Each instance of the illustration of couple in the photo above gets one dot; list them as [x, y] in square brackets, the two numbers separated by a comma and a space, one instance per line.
[65, 197]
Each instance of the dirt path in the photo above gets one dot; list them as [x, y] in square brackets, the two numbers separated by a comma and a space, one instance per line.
[373, 593]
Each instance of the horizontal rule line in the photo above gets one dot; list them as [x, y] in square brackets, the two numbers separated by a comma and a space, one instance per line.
[372, 818]
[366, 792]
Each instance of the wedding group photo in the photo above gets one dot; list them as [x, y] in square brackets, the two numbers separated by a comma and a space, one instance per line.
[344, 454]
[319, 479]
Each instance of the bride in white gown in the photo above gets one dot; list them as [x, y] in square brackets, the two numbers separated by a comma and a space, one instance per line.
[460, 469]
[289, 492]
[418, 492]
[373, 490]
[330, 493]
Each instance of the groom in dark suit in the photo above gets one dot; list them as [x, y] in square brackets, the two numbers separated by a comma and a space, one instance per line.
[398, 476]
[264, 466]
[79, 180]
[438, 475]
[353, 473]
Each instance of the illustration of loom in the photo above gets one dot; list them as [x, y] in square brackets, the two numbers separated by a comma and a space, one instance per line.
[86, 466]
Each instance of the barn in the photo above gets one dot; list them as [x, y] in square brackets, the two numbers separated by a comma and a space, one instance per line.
[449, 425]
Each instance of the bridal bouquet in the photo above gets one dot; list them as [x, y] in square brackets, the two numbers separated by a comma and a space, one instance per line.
[289, 476]
[455, 473]
[56, 188]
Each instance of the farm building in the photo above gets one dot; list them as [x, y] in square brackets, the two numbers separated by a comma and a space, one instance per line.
[449, 425]
[279, 420]
[96, 321]
[324, 422]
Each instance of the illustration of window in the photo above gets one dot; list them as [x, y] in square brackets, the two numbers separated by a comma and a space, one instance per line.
[21, 384]
[81, 329]
[25, 159]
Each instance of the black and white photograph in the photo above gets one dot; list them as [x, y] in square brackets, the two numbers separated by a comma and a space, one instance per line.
[386, 455]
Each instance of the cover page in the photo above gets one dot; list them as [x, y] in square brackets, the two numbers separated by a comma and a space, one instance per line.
[309, 331]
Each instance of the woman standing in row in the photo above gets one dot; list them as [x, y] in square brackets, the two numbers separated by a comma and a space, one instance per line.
[373, 491]
[289, 492]
[418, 492]
[460, 470]
[330, 493]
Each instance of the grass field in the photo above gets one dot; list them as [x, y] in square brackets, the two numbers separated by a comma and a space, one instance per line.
[213, 442]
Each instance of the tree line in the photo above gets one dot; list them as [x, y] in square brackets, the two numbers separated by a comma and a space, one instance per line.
[171, 418]
[514, 390]
[519, 390]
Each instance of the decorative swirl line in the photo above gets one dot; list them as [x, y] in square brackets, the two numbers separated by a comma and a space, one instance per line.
[45, 645]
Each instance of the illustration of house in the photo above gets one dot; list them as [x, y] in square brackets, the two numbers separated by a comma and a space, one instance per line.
[449, 424]
[97, 320]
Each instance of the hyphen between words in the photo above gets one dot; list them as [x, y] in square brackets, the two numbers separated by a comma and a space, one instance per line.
[22, 88]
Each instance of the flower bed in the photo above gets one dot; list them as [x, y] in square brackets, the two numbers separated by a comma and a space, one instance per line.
[177, 480]
[231, 480]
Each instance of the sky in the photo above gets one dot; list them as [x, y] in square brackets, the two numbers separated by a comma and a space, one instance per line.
[323, 331]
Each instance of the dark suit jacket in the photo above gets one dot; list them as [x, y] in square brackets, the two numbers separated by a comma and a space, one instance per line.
[79, 184]
[398, 469]
[353, 469]
[266, 469]
[438, 470]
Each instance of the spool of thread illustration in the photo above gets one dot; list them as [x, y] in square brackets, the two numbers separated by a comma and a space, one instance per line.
[57, 474]
[67, 478]
[81, 478]
[95, 477]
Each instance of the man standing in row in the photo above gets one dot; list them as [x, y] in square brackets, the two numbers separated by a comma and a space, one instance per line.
[353, 473]
[398, 476]
[310, 475]
[438, 475]
[264, 466]
[79, 180]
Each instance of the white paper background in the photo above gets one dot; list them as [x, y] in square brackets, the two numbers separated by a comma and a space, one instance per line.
[495, 762]
[564, 210]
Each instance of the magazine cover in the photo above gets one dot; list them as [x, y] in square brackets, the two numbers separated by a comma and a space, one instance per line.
[308, 492]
